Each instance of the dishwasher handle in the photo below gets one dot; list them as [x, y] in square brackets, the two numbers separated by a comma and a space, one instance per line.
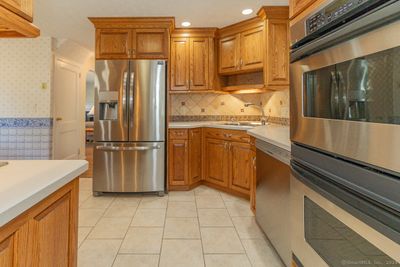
[128, 148]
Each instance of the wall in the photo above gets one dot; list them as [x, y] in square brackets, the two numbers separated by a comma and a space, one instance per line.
[25, 98]
[275, 104]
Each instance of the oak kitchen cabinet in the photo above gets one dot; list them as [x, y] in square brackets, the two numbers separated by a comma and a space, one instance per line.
[184, 158]
[241, 47]
[46, 234]
[16, 17]
[228, 161]
[297, 6]
[253, 186]
[192, 59]
[132, 38]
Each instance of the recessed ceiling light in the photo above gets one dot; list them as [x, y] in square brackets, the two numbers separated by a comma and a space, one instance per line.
[247, 11]
[186, 24]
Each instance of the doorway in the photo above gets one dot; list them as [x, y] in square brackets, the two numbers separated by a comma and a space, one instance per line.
[89, 122]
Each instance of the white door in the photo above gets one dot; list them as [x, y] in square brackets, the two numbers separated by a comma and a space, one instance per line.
[66, 110]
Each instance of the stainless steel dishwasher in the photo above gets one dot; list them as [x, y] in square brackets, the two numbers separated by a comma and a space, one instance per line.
[273, 196]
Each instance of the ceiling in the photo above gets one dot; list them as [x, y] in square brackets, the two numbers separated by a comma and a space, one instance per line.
[68, 18]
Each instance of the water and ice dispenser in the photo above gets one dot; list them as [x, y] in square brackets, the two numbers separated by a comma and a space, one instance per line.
[108, 105]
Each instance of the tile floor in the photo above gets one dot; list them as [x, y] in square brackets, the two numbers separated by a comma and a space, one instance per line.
[203, 227]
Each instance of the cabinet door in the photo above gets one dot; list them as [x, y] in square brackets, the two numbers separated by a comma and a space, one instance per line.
[178, 162]
[195, 146]
[113, 43]
[297, 6]
[252, 49]
[253, 182]
[7, 252]
[180, 64]
[199, 68]
[216, 162]
[229, 54]
[150, 44]
[23, 8]
[277, 55]
[241, 168]
[51, 232]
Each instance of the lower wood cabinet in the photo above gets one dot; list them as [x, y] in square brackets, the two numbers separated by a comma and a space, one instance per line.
[46, 234]
[216, 161]
[254, 174]
[223, 158]
[184, 158]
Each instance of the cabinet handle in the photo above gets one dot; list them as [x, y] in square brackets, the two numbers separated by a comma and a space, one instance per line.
[225, 145]
[254, 162]
[230, 146]
[241, 62]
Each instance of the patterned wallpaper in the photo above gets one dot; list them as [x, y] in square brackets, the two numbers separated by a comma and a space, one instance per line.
[25, 64]
[276, 104]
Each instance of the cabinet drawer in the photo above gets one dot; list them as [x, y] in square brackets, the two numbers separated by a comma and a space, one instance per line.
[178, 134]
[230, 135]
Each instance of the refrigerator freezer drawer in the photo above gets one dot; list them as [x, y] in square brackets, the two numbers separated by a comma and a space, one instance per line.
[129, 167]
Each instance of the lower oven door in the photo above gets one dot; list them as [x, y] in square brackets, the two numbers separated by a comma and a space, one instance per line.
[326, 234]
[129, 167]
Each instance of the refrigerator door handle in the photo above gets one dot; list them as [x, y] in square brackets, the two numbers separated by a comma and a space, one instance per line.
[125, 100]
[129, 148]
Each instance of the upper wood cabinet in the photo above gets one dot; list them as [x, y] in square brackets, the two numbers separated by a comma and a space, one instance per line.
[241, 47]
[276, 52]
[297, 6]
[192, 59]
[16, 17]
[132, 38]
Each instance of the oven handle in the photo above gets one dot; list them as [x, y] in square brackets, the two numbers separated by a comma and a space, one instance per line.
[382, 218]
[127, 148]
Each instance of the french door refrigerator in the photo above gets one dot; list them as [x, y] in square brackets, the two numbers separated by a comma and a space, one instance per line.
[130, 126]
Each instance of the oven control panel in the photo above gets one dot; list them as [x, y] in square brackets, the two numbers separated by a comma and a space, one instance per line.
[336, 11]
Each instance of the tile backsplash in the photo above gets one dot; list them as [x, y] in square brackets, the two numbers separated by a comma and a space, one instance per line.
[27, 138]
[275, 104]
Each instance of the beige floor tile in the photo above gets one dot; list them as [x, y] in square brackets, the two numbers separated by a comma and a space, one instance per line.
[102, 202]
[247, 227]
[261, 254]
[153, 203]
[141, 240]
[182, 228]
[127, 201]
[181, 210]
[149, 218]
[84, 195]
[238, 208]
[89, 217]
[205, 191]
[209, 202]
[181, 253]
[110, 228]
[229, 198]
[225, 260]
[115, 211]
[136, 261]
[181, 196]
[214, 217]
[99, 253]
[83, 232]
[221, 240]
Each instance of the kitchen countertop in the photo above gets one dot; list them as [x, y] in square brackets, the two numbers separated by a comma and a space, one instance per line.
[275, 134]
[24, 183]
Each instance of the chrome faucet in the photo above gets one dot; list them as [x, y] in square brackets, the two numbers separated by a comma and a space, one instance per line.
[264, 118]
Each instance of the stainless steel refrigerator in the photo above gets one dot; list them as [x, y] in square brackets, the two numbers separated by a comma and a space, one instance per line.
[130, 126]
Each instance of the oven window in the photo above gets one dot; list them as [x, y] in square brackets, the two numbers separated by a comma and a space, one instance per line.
[363, 89]
[336, 243]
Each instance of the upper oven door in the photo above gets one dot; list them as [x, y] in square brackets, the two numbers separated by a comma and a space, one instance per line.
[346, 99]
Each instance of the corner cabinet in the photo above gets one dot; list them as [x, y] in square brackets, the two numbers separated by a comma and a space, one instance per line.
[297, 6]
[46, 234]
[132, 38]
[192, 59]
[16, 17]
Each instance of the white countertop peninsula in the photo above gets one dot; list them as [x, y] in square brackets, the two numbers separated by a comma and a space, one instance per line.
[277, 135]
[24, 183]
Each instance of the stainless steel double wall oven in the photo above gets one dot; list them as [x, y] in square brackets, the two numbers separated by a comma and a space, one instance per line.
[345, 130]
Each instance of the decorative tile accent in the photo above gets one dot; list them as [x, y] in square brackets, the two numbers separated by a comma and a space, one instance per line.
[275, 120]
[28, 138]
